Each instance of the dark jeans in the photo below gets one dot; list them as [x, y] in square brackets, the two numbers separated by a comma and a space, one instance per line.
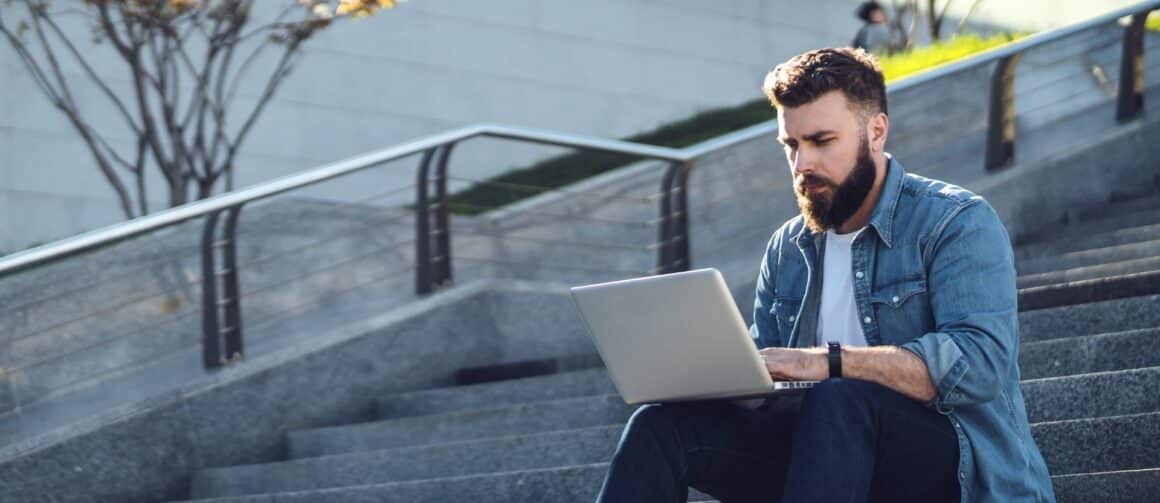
[843, 441]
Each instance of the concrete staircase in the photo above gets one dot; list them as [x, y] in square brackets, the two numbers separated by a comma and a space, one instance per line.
[1090, 374]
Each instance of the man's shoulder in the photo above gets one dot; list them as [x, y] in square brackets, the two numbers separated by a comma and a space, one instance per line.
[929, 194]
[931, 206]
[789, 229]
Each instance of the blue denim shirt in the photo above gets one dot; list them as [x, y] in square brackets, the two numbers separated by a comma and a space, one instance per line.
[936, 277]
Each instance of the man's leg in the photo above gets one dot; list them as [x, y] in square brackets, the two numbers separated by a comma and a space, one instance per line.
[730, 452]
[860, 441]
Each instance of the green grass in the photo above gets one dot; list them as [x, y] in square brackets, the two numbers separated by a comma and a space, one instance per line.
[569, 168]
[1153, 22]
[562, 170]
[924, 58]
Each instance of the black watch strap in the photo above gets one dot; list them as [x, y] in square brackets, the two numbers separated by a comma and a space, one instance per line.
[835, 358]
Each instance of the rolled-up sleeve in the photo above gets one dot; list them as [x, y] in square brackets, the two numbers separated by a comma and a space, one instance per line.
[974, 302]
[764, 329]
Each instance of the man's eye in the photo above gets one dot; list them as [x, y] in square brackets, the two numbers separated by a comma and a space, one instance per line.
[825, 141]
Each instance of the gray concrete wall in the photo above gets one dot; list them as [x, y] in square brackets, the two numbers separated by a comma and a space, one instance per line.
[1036, 15]
[609, 68]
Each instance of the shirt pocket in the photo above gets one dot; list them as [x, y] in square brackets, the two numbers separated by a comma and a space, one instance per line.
[785, 311]
[902, 309]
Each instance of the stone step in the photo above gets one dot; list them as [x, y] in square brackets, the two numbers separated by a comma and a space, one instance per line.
[1050, 358]
[500, 454]
[1090, 257]
[1102, 444]
[1048, 398]
[581, 483]
[1042, 359]
[1081, 242]
[491, 395]
[1092, 353]
[1090, 290]
[1056, 400]
[1116, 315]
[537, 417]
[558, 485]
[1118, 210]
[1126, 486]
[1102, 218]
[1089, 272]
[1081, 396]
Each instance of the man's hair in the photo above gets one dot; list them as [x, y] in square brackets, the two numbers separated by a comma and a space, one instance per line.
[807, 76]
[866, 9]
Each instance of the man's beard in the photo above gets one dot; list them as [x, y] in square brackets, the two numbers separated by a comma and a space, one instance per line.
[830, 209]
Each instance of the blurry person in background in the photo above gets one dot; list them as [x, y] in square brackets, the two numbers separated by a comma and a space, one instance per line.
[875, 34]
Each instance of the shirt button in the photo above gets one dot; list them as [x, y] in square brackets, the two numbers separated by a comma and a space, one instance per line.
[858, 275]
[962, 476]
[791, 319]
[867, 320]
[894, 299]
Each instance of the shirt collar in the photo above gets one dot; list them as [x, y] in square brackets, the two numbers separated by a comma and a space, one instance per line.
[882, 219]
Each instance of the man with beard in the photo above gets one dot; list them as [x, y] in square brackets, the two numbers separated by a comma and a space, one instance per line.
[895, 291]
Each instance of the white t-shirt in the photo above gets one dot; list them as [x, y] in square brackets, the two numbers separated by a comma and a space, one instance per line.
[838, 317]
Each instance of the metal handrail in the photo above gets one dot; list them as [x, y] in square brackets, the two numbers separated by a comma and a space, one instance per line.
[915, 80]
[1022, 45]
[122, 231]
[433, 266]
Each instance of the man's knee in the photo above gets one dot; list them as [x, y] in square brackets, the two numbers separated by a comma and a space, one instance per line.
[671, 418]
[651, 416]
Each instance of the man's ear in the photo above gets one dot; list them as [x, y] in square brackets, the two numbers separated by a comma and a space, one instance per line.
[878, 128]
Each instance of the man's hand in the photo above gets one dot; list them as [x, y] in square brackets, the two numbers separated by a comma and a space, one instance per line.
[796, 364]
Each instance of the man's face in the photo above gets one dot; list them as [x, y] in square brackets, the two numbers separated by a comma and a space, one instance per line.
[877, 16]
[828, 152]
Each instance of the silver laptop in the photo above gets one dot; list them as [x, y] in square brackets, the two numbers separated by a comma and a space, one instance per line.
[675, 337]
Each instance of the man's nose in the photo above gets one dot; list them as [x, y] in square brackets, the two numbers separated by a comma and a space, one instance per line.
[803, 163]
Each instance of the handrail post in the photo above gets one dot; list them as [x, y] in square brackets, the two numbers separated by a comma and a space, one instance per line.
[442, 260]
[673, 228]
[229, 304]
[682, 261]
[1001, 117]
[1130, 98]
[210, 345]
[235, 350]
[664, 229]
[423, 228]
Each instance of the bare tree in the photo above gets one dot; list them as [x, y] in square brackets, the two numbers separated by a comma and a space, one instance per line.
[185, 60]
[907, 13]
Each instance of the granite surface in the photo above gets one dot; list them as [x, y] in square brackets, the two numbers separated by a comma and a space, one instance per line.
[522, 452]
[479, 396]
[564, 413]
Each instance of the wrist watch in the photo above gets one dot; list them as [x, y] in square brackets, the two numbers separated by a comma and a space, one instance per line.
[835, 358]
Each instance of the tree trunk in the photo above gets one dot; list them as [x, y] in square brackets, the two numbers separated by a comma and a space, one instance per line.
[934, 20]
[178, 192]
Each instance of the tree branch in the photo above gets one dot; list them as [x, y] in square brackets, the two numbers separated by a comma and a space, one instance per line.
[30, 63]
[280, 73]
[93, 75]
[34, 12]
